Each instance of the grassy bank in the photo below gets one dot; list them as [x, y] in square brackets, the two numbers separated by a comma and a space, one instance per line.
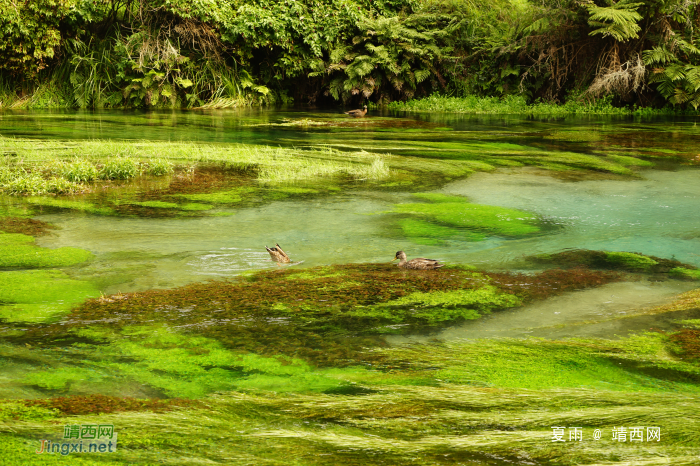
[513, 104]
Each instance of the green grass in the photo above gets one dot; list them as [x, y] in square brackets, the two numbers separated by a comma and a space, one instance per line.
[513, 104]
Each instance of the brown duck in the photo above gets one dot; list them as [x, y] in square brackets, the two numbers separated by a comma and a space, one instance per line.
[357, 113]
[277, 254]
[416, 264]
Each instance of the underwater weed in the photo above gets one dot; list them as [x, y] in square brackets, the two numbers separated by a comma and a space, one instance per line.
[25, 226]
[18, 250]
[626, 261]
[683, 272]
[550, 282]
[456, 211]
[40, 295]
[630, 260]
[328, 316]
[99, 404]
[688, 344]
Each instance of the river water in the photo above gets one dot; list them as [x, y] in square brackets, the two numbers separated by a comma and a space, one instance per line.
[654, 212]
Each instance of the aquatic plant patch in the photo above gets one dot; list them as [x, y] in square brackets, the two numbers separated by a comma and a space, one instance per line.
[62, 203]
[40, 295]
[425, 232]
[101, 404]
[685, 272]
[540, 364]
[177, 364]
[466, 395]
[18, 251]
[25, 226]
[452, 212]
[615, 260]
[326, 316]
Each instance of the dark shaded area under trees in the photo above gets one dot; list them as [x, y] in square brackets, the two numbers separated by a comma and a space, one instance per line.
[179, 53]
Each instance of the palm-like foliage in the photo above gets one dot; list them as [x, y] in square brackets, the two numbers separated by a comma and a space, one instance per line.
[619, 20]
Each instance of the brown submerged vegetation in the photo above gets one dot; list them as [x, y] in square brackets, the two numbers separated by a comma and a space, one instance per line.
[25, 226]
[99, 404]
[328, 316]
[688, 341]
[552, 282]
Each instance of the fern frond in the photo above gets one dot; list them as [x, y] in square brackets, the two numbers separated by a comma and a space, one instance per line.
[658, 55]
[618, 20]
[421, 75]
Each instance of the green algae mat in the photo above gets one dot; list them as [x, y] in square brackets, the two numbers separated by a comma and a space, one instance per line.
[142, 321]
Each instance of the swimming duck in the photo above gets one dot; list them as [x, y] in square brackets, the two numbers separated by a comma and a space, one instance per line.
[417, 264]
[357, 113]
[277, 254]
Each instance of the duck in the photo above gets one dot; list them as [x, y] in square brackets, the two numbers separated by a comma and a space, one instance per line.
[416, 264]
[277, 254]
[357, 113]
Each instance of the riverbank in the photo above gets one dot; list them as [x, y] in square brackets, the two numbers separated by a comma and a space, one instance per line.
[517, 105]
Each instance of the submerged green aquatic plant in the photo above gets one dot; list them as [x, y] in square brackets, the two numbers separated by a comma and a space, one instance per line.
[444, 215]
[18, 251]
[684, 272]
[25, 226]
[630, 260]
[79, 205]
[425, 232]
[40, 295]
[627, 261]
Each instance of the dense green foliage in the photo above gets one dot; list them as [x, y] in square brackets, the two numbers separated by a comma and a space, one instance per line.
[155, 53]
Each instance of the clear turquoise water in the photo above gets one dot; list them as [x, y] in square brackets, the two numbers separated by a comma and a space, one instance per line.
[656, 213]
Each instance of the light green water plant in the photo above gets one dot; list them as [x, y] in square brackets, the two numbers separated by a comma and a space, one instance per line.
[18, 251]
[630, 260]
[78, 205]
[451, 212]
[40, 295]
[686, 273]
[425, 232]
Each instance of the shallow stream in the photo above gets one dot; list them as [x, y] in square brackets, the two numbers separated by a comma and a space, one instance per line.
[153, 303]
[654, 213]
